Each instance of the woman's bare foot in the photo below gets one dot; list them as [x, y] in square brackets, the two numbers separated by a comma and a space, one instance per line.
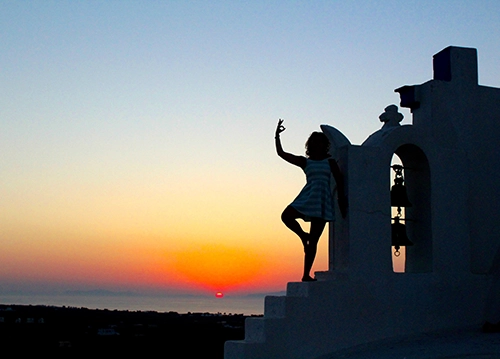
[308, 279]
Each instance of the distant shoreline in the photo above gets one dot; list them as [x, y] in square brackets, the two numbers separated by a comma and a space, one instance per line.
[98, 299]
[33, 308]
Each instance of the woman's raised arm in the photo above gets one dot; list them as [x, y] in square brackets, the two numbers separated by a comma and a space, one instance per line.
[290, 158]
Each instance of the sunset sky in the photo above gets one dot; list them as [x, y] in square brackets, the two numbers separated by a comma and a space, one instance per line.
[137, 136]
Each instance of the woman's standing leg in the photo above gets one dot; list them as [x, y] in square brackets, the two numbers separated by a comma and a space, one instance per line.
[317, 227]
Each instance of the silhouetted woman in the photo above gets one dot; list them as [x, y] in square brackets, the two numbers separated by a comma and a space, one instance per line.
[315, 202]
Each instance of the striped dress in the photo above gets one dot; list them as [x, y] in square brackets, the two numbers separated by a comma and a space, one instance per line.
[315, 200]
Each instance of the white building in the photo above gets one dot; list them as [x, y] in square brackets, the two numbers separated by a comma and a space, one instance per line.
[451, 157]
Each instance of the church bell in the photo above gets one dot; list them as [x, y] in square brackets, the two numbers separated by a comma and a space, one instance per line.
[399, 237]
[399, 198]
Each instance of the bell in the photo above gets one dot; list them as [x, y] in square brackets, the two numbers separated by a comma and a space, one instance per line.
[399, 198]
[399, 237]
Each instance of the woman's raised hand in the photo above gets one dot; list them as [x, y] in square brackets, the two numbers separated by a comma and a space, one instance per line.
[280, 128]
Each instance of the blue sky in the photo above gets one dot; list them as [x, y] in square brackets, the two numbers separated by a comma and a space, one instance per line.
[163, 112]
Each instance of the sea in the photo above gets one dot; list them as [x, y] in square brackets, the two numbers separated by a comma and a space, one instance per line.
[246, 305]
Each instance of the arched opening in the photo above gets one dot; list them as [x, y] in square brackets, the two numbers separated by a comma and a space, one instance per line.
[398, 254]
[416, 258]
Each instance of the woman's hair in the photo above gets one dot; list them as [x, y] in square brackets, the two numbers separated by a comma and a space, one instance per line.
[317, 145]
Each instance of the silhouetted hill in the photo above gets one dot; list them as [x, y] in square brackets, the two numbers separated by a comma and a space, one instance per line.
[35, 330]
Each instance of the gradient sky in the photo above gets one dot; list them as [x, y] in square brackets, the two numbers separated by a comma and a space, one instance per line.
[137, 136]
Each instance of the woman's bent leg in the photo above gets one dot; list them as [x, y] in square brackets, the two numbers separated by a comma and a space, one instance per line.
[289, 218]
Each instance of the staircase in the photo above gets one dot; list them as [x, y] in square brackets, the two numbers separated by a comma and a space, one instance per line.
[286, 318]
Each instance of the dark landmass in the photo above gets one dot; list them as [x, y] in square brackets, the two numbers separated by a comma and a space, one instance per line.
[258, 295]
[35, 330]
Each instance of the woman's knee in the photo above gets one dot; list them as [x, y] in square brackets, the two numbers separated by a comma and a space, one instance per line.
[286, 215]
[290, 216]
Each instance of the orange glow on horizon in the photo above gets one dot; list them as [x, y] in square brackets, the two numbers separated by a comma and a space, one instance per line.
[132, 258]
[219, 267]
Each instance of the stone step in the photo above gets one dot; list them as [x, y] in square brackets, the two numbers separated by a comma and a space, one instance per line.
[336, 275]
[275, 307]
[298, 289]
[254, 330]
[238, 349]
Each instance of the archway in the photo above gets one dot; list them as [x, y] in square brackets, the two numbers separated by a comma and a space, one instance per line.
[398, 254]
[417, 218]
